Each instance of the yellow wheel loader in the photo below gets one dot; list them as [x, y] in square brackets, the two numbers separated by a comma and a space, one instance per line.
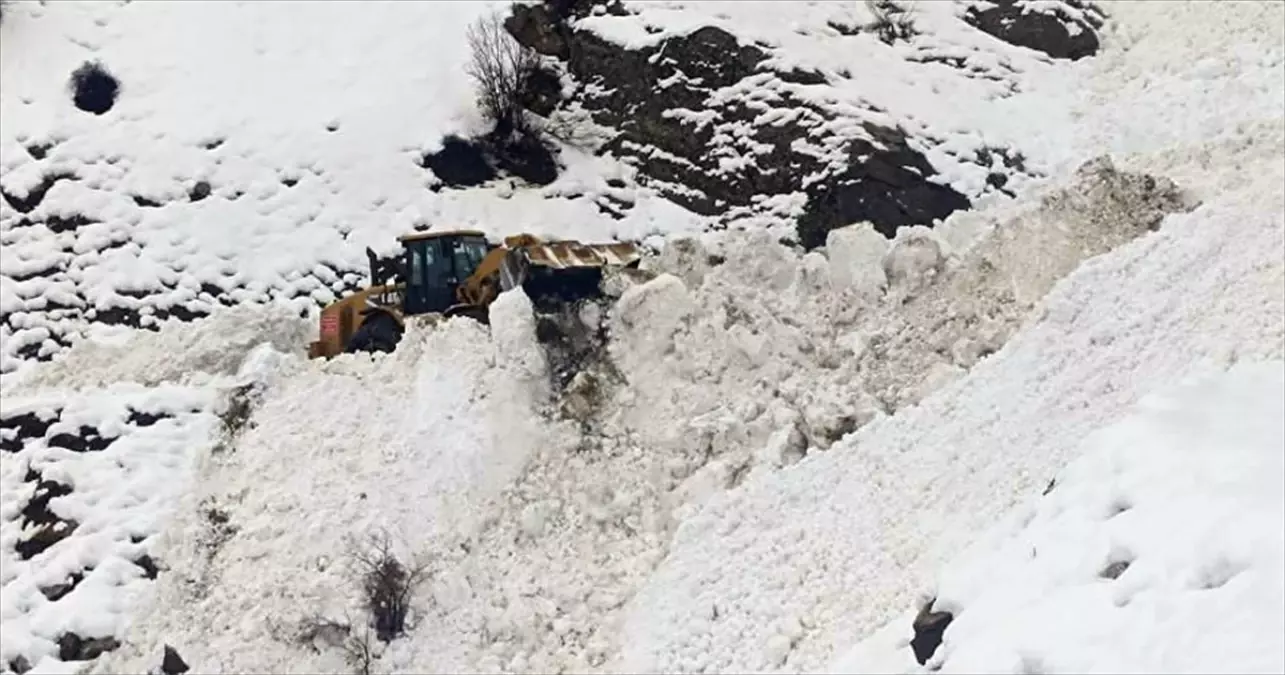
[460, 273]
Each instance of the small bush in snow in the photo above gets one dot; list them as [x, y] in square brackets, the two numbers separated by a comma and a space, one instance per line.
[239, 408]
[93, 88]
[500, 67]
[318, 631]
[387, 585]
[891, 23]
[358, 651]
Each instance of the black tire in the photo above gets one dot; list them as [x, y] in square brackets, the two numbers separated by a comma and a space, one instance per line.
[478, 314]
[378, 333]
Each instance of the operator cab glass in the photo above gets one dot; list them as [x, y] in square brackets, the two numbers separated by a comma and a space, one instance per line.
[415, 266]
[469, 252]
[431, 283]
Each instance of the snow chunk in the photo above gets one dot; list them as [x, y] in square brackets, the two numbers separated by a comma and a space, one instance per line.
[513, 332]
[914, 261]
[856, 255]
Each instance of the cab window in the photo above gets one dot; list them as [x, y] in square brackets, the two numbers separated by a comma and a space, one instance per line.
[468, 255]
[416, 266]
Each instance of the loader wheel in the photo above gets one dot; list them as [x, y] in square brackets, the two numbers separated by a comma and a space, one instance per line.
[478, 314]
[378, 333]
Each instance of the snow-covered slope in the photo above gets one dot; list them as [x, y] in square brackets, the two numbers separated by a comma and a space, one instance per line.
[838, 542]
[249, 157]
[774, 458]
[1158, 549]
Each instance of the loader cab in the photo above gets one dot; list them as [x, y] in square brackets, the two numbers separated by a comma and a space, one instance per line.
[436, 263]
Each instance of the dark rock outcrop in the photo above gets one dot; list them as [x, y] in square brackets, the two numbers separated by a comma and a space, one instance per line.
[542, 92]
[471, 162]
[886, 190]
[541, 28]
[45, 527]
[460, 163]
[19, 664]
[199, 191]
[37, 194]
[1066, 32]
[172, 663]
[930, 628]
[660, 101]
[72, 647]
[23, 427]
[527, 157]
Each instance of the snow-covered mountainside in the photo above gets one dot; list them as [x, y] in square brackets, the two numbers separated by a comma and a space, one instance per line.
[960, 344]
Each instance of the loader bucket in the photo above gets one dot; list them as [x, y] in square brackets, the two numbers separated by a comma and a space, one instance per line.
[573, 255]
[563, 271]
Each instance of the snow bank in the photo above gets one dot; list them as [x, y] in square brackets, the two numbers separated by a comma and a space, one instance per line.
[542, 530]
[180, 352]
[1160, 549]
[795, 566]
[415, 444]
[806, 559]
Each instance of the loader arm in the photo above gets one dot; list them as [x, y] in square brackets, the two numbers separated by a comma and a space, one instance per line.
[482, 287]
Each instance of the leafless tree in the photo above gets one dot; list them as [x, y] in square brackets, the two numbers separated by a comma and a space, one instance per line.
[387, 584]
[500, 67]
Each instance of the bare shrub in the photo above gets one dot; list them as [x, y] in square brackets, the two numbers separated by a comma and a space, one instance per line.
[891, 21]
[500, 67]
[358, 652]
[387, 584]
[240, 406]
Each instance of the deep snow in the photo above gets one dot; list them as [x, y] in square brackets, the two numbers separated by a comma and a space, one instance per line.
[845, 538]
[800, 447]
[1158, 549]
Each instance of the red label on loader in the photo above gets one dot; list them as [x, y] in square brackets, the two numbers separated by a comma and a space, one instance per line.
[329, 324]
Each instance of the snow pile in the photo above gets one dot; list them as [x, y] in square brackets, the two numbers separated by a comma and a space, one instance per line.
[793, 568]
[773, 344]
[88, 480]
[1159, 549]
[415, 444]
[806, 560]
[178, 352]
[540, 529]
